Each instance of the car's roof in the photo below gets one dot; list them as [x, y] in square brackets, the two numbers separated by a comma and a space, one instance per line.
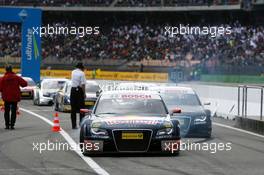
[173, 88]
[91, 82]
[27, 78]
[55, 79]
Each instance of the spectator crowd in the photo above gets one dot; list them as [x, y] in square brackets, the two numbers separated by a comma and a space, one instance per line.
[56, 2]
[135, 42]
[10, 40]
[118, 3]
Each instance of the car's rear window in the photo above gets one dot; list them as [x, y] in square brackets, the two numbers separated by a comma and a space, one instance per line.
[91, 88]
[53, 84]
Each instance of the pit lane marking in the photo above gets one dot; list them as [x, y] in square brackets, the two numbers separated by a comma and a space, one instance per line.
[237, 129]
[99, 170]
[39, 110]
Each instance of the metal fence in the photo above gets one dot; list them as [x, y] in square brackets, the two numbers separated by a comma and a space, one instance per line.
[243, 100]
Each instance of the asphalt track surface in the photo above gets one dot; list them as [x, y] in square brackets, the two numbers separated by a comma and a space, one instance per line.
[18, 157]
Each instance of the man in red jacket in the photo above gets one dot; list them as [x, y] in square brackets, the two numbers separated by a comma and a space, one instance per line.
[9, 87]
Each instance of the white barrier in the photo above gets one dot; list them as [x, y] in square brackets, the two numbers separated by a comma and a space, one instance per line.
[224, 100]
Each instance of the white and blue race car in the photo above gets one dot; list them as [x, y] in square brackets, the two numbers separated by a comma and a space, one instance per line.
[46, 90]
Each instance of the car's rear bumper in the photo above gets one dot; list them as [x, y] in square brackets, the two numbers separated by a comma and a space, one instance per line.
[26, 94]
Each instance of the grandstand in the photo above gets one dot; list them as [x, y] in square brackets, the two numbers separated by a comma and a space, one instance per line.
[137, 5]
[118, 3]
[128, 40]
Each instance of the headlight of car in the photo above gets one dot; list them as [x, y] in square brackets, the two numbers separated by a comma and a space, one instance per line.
[167, 130]
[99, 131]
[200, 119]
[96, 130]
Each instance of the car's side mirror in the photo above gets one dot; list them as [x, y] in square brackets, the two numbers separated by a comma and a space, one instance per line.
[206, 103]
[85, 111]
[176, 111]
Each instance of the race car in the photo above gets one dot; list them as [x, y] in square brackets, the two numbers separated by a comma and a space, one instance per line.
[44, 93]
[28, 91]
[195, 121]
[62, 98]
[129, 122]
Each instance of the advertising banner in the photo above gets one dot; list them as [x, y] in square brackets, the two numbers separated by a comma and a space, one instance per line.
[30, 20]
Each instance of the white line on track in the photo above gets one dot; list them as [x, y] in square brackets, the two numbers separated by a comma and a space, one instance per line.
[73, 144]
[40, 110]
[237, 129]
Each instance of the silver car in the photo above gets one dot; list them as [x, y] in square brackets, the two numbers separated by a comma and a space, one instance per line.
[46, 90]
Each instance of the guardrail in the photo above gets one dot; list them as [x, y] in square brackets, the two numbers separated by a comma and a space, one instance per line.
[243, 102]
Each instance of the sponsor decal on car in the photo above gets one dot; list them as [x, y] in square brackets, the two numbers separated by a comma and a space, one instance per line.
[131, 96]
[146, 122]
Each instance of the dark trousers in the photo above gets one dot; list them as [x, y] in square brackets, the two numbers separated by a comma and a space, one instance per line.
[13, 107]
[77, 103]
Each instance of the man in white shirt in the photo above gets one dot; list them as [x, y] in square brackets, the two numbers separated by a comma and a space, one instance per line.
[77, 93]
